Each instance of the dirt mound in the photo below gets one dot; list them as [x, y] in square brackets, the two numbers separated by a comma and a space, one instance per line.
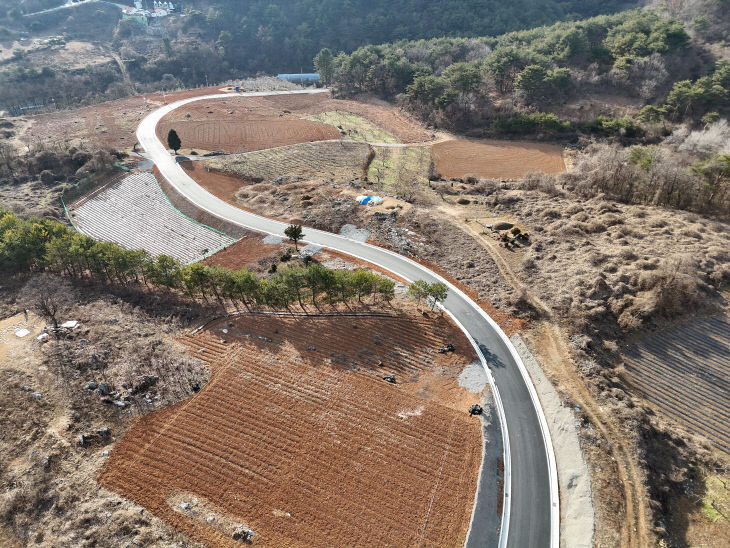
[299, 438]
[496, 159]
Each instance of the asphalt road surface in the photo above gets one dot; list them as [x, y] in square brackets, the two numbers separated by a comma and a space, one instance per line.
[532, 514]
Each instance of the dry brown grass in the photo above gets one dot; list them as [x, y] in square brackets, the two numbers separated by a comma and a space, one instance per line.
[50, 496]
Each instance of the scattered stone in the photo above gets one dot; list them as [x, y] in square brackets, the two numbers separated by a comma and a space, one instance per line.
[390, 379]
[210, 519]
[105, 432]
[354, 233]
[105, 453]
[26, 388]
[84, 341]
[309, 250]
[312, 348]
[185, 505]
[243, 534]
[121, 404]
[38, 395]
[103, 390]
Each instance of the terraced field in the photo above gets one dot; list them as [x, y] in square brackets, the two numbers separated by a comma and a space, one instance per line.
[685, 372]
[298, 437]
[134, 213]
[339, 160]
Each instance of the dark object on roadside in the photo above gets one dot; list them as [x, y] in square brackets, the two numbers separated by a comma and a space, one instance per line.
[475, 409]
[390, 379]
[448, 348]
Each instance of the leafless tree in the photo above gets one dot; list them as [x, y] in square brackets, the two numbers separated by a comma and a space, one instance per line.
[48, 296]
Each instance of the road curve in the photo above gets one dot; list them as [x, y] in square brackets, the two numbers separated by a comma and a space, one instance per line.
[531, 516]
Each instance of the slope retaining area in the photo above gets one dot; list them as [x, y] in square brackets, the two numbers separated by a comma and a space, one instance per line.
[134, 213]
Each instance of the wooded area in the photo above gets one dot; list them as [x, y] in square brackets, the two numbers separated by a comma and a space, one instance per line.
[44, 245]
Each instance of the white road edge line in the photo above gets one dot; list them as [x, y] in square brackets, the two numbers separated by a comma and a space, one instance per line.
[547, 439]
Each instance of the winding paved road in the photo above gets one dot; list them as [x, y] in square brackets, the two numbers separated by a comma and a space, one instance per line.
[531, 516]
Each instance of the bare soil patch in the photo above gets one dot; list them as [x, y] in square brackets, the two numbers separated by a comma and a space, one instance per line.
[298, 437]
[496, 159]
[249, 110]
[236, 136]
[249, 252]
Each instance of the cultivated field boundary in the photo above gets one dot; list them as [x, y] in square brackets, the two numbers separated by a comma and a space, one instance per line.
[554, 496]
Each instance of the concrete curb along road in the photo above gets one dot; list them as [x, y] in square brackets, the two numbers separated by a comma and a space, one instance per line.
[531, 485]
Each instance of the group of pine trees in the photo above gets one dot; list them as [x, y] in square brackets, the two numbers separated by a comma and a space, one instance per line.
[44, 245]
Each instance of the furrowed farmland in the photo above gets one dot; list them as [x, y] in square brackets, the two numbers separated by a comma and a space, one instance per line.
[341, 160]
[685, 372]
[234, 137]
[298, 437]
[134, 213]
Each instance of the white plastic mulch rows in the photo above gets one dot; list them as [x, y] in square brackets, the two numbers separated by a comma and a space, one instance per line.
[135, 214]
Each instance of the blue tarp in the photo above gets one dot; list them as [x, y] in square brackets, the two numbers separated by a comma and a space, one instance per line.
[364, 200]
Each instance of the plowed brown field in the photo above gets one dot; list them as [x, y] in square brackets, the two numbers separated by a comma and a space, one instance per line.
[250, 119]
[244, 136]
[496, 159]
[298, 437]
[247, 252]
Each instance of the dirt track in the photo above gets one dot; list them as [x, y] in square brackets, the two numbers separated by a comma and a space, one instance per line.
[310, 447]
[495, 159]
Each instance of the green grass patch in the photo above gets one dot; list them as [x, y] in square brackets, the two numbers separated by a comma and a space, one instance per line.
[356, 127]
[715, 504]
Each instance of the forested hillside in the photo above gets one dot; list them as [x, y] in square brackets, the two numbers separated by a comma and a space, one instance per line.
[287, 33]
[505, 82]
[216, 40]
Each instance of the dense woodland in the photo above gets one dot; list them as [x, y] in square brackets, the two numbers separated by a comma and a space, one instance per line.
[219, 40]
[45, 245]
[505, 84]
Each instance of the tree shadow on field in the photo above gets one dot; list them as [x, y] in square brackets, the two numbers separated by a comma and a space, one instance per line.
[160, 304]
[675, 479]
[388, 344]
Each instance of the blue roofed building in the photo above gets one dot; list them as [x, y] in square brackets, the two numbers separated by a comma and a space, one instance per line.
[301, 78]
